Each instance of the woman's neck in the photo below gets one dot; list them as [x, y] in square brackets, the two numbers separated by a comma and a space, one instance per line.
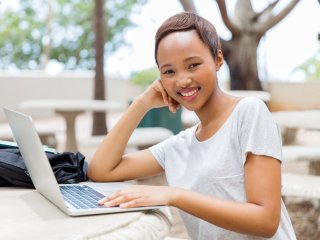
[217, 105]
[214, 113]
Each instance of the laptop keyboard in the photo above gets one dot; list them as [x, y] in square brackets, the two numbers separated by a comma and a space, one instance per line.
[81, 196]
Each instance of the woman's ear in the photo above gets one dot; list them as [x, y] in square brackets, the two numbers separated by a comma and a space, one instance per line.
[219, 60]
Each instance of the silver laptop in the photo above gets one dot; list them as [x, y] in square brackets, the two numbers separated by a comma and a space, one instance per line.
[73, 199]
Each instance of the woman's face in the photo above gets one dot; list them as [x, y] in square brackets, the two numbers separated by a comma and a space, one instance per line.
[187, 69]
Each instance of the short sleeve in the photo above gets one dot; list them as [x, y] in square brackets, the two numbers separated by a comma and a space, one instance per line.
[259, 133]
[174, 148]
[159, 150]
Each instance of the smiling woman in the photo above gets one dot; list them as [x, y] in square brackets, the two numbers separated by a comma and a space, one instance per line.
[224, 173]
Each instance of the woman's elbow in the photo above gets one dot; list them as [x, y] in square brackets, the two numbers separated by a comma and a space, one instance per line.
[268, 233]
[93, 173]
[270, 228]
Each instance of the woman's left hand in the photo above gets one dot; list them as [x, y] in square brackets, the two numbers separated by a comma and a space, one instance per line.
[140, 195]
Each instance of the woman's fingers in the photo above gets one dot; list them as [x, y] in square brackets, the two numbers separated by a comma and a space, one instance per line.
[163, 92]
[118, 198]
[170, 105]
[132, 203]
[173, 105]
[156, 96]
[137, 196]
[165, 97]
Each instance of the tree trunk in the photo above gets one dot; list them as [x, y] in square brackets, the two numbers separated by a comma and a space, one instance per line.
[99, 125]
[188, 6]
[241, 56]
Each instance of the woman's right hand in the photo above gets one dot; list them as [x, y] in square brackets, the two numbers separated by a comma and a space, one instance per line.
[155, 96]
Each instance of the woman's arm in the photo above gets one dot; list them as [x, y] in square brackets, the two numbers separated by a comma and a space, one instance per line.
[108, 162]
[259, 215]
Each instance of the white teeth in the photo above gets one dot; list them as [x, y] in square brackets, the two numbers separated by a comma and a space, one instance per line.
[188, 94]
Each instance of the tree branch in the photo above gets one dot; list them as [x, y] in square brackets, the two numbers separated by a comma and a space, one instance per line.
[188, 6]
[227, 21]
[273, 20]
[268, 9]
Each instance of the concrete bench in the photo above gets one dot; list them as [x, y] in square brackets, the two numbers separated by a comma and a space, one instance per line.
[301, 194]
[47, 136]
[297, 152]
[300, 185]
[141, 138]
[290, 121]
[311, 154]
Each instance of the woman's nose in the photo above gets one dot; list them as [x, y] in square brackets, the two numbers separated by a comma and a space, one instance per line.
[184, 82]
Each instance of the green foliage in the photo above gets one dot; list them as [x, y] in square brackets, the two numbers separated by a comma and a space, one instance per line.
[311, 68]
[20, 36]
[61, 28]
[145, 77]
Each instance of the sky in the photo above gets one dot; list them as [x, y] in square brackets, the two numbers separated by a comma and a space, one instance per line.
[284, 47]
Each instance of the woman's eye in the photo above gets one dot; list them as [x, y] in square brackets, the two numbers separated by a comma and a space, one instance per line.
[193, 65]
[168, 72]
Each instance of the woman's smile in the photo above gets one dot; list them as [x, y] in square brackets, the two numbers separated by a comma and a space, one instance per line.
[189, 94]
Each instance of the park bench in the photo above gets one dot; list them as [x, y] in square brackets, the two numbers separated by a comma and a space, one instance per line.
[311, 154]
[300, 185]
[141, 138]
[301, 194]
[47, 136]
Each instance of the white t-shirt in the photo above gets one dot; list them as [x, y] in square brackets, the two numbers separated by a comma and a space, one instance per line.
[216, 166]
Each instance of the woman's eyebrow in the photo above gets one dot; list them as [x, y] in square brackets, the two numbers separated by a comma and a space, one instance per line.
[165, 66]
[191, 58]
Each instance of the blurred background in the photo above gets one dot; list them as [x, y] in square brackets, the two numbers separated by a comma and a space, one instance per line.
[62, 50]
[58, 39]
[52, 44]
[57, 35]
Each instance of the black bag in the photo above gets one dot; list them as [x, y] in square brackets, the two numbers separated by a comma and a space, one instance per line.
[68, 167]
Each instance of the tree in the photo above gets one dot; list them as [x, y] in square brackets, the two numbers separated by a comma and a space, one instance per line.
[99, 125]
[20, 31]
[60, 30]
[247, 28]
[144, 78]
[72, 32]
[310, 68]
